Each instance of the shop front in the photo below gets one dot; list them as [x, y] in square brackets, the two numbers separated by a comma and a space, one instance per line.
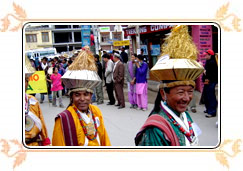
[151, 38]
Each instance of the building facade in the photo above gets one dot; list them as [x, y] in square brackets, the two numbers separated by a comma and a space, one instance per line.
[66, 38]
[108, 34]
[38, 37]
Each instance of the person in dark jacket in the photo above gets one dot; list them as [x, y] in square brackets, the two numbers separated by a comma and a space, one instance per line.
[124, 55]
[210, 80]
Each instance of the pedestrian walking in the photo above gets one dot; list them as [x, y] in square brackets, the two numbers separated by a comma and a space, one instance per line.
[131, 81]
[82, 123]
[118, 79]
[169, 124]
[141, 83]
[56, 87]
[35, 128]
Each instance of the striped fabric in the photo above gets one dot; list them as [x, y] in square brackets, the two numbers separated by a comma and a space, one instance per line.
[68, 128]
[161, 123]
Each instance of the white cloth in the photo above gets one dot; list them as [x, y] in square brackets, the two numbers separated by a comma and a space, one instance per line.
[36, 120]
[43, 66]
[109, 71]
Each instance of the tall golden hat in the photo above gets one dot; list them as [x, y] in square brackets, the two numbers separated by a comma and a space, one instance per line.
[82, 73]
[28, 69]
[178, 58]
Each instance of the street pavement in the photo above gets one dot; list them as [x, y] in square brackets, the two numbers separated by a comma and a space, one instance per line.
[122, 125]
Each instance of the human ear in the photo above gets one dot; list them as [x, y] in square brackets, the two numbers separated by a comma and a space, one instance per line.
[163, 95]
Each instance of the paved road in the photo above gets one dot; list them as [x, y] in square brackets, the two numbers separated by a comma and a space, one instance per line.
[123, 124]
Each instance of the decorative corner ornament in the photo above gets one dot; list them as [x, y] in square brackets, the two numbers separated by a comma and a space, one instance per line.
[223, 19]
[19, 17]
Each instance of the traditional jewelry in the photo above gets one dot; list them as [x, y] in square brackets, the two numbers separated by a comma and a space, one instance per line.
[189, 134]
[88, 133]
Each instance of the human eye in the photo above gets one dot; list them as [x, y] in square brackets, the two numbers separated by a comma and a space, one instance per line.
[180, 92]
[76, 94]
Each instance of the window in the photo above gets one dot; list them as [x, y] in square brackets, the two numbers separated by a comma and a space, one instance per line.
[105, 37]
[45, 37]
[31, 38]
[117, 36]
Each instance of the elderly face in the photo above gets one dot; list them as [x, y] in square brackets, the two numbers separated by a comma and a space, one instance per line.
[115, 59]
[81, 99]
[179, 97]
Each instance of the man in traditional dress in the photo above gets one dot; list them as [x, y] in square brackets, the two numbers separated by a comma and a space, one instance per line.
[35, 128]
[169, 124]
[81, 124]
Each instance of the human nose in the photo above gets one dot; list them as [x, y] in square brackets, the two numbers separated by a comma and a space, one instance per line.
[186, 97]
[82, 97]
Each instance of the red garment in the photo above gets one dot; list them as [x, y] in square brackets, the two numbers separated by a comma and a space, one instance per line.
[56, 82]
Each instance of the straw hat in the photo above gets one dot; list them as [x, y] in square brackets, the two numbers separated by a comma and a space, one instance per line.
[28, 69]
[177, 64]
[82, 73]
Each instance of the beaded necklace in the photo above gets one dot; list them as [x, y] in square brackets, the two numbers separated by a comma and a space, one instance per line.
[187, 134]
[84, 127]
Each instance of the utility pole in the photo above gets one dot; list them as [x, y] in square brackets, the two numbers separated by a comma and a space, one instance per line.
[137, 38]
[96, 40]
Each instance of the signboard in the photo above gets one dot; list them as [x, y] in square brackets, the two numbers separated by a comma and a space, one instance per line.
[202, 37]
[104, 29]
[37, 83]
[155, 50]
[85, 35]
[147, 29]
[121, 43]
[145, 49]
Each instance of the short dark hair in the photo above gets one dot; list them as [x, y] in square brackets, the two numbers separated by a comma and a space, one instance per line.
[70, 61]
[106, 56]
[140, 57]
[135, 54]
[45, 58]
[97, 57]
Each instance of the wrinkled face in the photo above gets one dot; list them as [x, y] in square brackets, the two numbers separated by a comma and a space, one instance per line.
[179, 97]
[115, 59]
[81, 99]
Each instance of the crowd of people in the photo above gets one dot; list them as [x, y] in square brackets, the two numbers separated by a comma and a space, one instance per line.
[117, 70]
[114, 69]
